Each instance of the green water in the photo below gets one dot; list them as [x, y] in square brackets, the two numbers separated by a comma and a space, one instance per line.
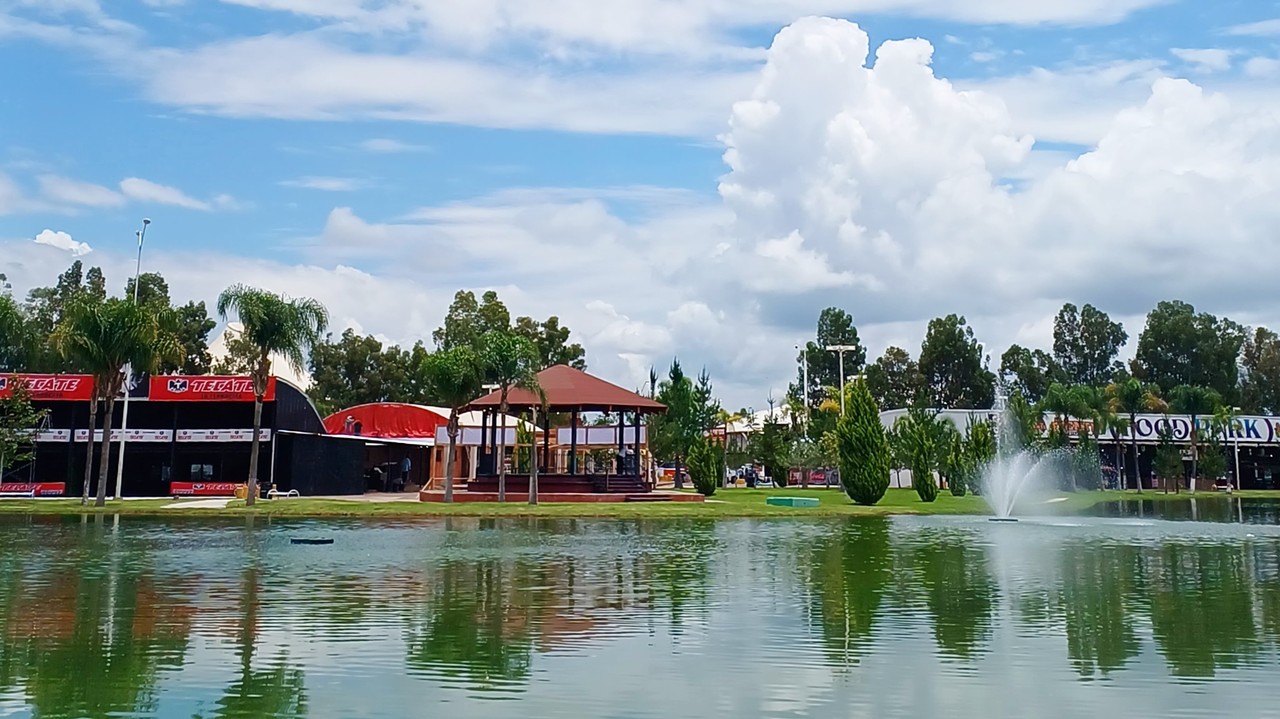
[906, 617]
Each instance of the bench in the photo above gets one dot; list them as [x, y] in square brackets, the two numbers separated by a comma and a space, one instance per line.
[277, 494]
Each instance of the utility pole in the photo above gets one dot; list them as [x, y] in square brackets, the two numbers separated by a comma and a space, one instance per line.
[804, 360]
[128, 372]
[840, 350]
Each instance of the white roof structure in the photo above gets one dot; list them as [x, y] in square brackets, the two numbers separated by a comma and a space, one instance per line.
[279, 365]
[756, 420]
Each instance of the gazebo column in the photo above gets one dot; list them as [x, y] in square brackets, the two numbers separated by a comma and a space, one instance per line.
[482, 450]
[546, 442]
[622, 424]
[636, 426]
[573, 442]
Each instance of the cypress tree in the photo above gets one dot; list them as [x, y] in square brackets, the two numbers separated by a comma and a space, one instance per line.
[862, 448]
[705, 468]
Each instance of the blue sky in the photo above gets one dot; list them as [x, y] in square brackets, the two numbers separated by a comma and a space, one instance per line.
[296, 143]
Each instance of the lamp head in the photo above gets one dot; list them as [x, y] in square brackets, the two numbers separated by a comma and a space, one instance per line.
[146, 221]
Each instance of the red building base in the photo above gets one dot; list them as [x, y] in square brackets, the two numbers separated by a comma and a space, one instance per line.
[433, 495]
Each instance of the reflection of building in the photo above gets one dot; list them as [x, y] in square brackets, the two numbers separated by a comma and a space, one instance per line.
[185, 431]
[1255, 439]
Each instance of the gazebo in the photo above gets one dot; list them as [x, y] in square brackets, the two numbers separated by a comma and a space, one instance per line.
[571, 391]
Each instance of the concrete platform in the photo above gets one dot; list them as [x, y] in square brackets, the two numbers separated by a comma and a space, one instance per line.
[433, 495]
[792, 501]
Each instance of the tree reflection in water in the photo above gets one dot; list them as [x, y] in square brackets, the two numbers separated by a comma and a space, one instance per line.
[849, 573]
[959, 590]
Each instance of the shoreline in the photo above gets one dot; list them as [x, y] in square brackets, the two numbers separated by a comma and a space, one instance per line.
[726, 504]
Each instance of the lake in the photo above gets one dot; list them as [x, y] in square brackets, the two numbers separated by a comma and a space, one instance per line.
[898, 617]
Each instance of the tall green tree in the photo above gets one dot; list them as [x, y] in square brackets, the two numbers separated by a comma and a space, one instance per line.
[18, 420]
[835, 328]
[455, 377]
[691, 412]
[1086, 343]
[468, 320]
[103, 337]
[1029, 371]
[1199, 403]
[511, 361]
[191, 320]
[923, 434]
[1180, 346]
[17, 343]
[862, 448]
[46, 307]
[552, 342]
[273, 324]
[893, 379]
[358, 370]
[952, 366]
[1131, 397]
[1168, 460]
[1260, 372]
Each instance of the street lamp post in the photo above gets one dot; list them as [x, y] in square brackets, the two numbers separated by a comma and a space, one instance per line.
[804, 354]
[840, 350]
[128, 369]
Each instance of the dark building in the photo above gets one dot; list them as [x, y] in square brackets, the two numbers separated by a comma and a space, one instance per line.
[187, 435]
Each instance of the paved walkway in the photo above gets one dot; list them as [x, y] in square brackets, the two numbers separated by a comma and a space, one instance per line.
[218, 503]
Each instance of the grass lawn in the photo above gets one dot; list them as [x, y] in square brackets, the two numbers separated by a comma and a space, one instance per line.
[725, 503]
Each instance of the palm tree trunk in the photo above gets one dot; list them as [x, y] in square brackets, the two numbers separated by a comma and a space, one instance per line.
[449, 455]
[104, 464]
[502, 450]
[253, 452]
[1133, 442]
[88, 459]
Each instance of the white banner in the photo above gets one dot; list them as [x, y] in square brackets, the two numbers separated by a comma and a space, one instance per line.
[132, 435]
[222, 435]
[54, 435]
[600, 436]
[470, 436]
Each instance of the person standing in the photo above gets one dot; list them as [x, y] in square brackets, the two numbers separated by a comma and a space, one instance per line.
[348, 425]
[405, 466]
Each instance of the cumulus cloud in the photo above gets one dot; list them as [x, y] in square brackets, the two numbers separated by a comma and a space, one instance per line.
[63, 241]
[384, 145]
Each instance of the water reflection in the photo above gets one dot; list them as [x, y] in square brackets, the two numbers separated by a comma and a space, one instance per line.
[200, 619]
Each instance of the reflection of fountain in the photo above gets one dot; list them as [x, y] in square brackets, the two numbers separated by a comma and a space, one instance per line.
[1015, 471]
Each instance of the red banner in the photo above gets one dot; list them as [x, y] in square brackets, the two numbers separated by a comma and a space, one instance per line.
[38, 489]
[48, 387]
[202, 489]
[178, 388]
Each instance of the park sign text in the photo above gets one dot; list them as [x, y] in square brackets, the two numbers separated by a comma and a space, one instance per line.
[50, 387]
[1245, 430]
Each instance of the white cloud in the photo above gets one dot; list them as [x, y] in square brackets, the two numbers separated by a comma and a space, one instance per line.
[328, 184]
[1262, 67]
[63, 241]
[146, 191]
[61, 190]
[1205, 59]
[1264, 28]
[383, 145]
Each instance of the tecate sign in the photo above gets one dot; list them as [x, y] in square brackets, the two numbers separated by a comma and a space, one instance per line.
[206, 389]
[47, 387]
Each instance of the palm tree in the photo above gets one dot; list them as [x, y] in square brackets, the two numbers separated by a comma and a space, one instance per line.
[1197, 402]
[725, 418]
[273, 324]
[102, 338]
[1227, 421]
[455, 378]
[1131, 397]
[510, 361]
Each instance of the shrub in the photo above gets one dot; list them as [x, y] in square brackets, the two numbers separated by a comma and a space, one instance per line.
[862, 448]
[704, 467]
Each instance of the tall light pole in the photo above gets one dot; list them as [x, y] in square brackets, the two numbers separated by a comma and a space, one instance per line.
[840, 350]
[804, 359]
[128, 369]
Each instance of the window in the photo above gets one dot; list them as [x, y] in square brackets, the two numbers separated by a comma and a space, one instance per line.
[202, 473]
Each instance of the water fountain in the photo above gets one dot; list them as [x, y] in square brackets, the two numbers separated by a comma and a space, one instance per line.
[1015, 472]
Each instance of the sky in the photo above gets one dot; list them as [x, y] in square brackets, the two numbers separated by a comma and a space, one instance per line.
[691, 178]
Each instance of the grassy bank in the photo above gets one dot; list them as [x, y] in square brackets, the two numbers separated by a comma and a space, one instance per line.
[726, 503]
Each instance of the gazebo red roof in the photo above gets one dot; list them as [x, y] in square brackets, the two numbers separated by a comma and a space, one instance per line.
[567, 388]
